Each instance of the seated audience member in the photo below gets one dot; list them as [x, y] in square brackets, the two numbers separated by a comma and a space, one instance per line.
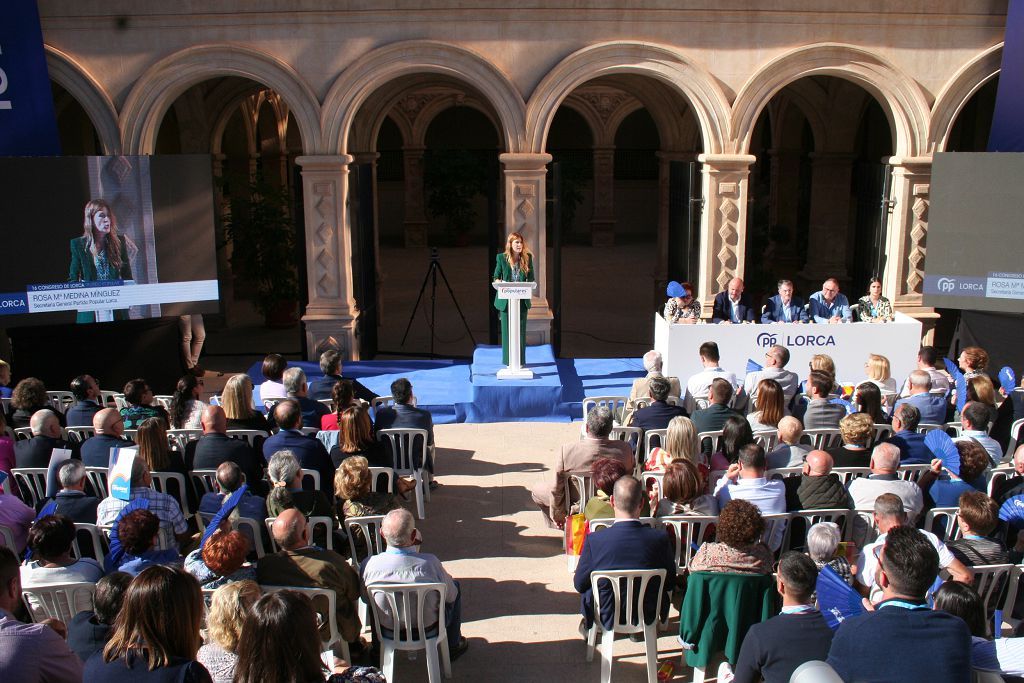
[173, 527]
[737, 548]
[682, 306]
[889, 515]
[736, 434]
[186, 407]
[221, 560]
[857, 431]
[822, 362]
[294, 380]
[16, 516]
[926, 359]
[109, 427]
[88, 398]
[905, 437]
[790, 452]
[745, 480]
[902, 640]
[658, 414]
[331, 365]
[236, 400]
[156, 635]
[884, 478]
[829, 305]
[355, 438]
[784, 307]
[578, 456]
[818, 488]
[981, 390]
[974, 419]
[712, 418]
[775, 360]
[342, 398]
[50, 540]
[605, 473]
[879, 373]
[867, 399]
[680, 443]
[139, 397]
[977, 518]
[30, 396]
[36, 452]
[215, 448]
[944, 485]
[405, 415]
[5, 379]
[627, 544]
[699, 385]
[90, 630]
[29, 652]
[287, 492]
[683, 492]
[303, 565]
[71, 500]
[229, 479]
[641, 385]
[773, 649]
[308, 450]
[137, 532]
[932, 408]
[229, 606]
[154, 450]
[822, 545]
[732, 305]
[1011, 486]
[820, 412]
[353, 488]
[769, 406]
[873, 307]
[273, 369]
[1004, 656]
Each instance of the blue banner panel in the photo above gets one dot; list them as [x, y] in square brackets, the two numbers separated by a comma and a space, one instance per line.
[1007, 134]
[28, 125]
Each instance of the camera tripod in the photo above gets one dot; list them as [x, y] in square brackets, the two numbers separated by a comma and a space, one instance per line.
[431, 276]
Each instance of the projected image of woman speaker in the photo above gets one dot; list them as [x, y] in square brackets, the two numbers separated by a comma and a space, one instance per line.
[100, 254]
[515, 264]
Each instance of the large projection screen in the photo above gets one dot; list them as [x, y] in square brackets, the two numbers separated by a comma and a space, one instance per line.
[975, 233]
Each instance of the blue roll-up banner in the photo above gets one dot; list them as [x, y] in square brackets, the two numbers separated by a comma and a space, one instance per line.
[1007, 134]
[28, 125]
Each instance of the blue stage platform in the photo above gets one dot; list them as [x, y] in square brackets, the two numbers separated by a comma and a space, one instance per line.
[461, 391]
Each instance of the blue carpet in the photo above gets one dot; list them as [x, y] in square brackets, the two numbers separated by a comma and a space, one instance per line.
[460, 391]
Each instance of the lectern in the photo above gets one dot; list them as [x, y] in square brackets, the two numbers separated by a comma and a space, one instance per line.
[514, 292]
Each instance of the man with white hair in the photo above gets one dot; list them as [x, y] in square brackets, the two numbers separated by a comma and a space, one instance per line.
[35, 452]
[884, 478]
[1011, 486]
[72, 500]
[905, 419]
[932, 407]
[402, 562]
[775, 360]
[641, 386]
[294, 381]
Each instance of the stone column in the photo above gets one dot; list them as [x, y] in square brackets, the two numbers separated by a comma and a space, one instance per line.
[331, 314]
[602, 224]
[831, 175]
[723, 222]
[907, 239]
[525, 198]
[371, 158]
[415, 200]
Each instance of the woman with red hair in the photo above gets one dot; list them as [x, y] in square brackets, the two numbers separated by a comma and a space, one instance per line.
[515, 264]
[101, 254]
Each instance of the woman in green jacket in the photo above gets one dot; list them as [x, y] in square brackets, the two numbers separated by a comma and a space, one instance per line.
[515, 264]
[100, 254]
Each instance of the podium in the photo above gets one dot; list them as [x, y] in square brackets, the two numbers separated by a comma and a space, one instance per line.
[514, 292]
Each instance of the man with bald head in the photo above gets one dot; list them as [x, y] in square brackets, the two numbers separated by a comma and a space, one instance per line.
[35, 452]
[732, 305]
[303, 565]
[215, 447]
[829, 305]
[1012, 486]
[818, 488]
[109, 427]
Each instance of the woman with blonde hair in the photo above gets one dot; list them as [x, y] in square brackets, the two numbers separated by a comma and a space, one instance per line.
[101, 254]
[680, 442]
[228, 608]
[236, 400]
[151, 439]
[879, 372]
[515, 264]
[353, 484]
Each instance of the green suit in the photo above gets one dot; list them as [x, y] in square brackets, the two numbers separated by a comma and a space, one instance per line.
[503, 271]
[83, 268]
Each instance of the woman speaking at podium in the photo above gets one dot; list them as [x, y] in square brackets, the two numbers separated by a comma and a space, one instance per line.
[515, 264]
[100, 254]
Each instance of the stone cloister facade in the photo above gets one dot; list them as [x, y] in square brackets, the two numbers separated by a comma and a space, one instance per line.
[706, 74]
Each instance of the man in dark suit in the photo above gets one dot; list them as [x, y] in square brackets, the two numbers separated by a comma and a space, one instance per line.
[330, 365]
[405, 415]
[627, 544]
[308, 450]
[658, 414]
[294, 381]
[72, 500]
[35, 452]
[905, 436]
[784, 307]
[109, 426]
[713, 418]
[732, 305]
[87, 401]
[215, 447]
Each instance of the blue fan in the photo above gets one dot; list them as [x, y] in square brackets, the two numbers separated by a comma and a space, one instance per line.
[959, 381]
[844, 403]
[753, 367]
[113, 559]
[943, 448]
[230, 504]
[836, 599]
[1007, 380]
[1012, 511]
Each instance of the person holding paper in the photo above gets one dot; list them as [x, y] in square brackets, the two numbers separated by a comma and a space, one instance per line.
[101, 254]
[515, 264]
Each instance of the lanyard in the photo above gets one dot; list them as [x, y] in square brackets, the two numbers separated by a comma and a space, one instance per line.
[903, 604]
[798, 609]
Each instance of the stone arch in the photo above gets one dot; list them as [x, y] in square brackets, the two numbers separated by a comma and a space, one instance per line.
[163, 82]
[72, 76]
[692, 81]
[432, 110]
[376, 69]
[598, 134]
[967, 80]
[902, 99]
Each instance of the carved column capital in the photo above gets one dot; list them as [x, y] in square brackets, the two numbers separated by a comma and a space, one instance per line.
[723, 221]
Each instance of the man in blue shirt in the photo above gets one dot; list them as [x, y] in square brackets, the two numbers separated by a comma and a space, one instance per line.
[784, 307]
[905, 437]
[828, 305]
[932, 407]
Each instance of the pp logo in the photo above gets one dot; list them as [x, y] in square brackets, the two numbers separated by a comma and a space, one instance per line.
[946, 284]
[766, 339]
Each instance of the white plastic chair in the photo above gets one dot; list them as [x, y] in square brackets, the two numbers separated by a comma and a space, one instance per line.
[582, 483]
[998, 476]
[848, 474]
[783, 472]
[108, 395]
[328, 612]
[604, 523]
[177, 439]
[369, 527]
[616, 404]
[406, 609]
[163, 400]
[653, 438]
[60, 400]
[309, 431]
[840, 516]
[161, 481]
[402, 443]
[655, 477]
[912, 472]
[79, 434]
[941, 521]
[31, 480]
[97, 477]
[882, 432]
[312, 474]
[59, 601]
[204, 481]
[690, 532]
[716, 440]
[248, 435]
[97, 540]
[767, 439]
[956, 427]
[926, 427]
[314, 523]
[249, 527]
[1014, 434]
[992, 582]
[630, 615]
[631, 435]
[376, 473]
[22, 433]
[269, 403]
[823, 439]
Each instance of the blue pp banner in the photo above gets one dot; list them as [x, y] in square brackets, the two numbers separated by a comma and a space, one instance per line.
[1007, 134]
[28, 125]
